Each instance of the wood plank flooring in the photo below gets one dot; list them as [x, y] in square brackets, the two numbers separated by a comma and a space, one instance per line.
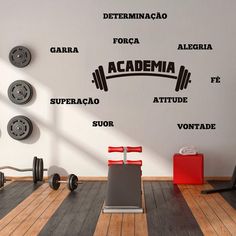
[169, 210]
[213, 213]
[228, 196]
[122, 224]
[26, 216]
[13, 194]
[79, 213]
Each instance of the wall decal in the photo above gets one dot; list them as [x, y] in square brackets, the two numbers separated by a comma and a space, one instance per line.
[74, 101]
[64, 50]
[195, 46]
[141, 68]
[103, 123]
[197, 126]
[69, 44]
[126, 41]
[170, 100]
[135, 16]
[215, 80]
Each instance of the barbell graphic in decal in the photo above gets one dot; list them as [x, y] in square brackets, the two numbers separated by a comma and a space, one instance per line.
[183, 78]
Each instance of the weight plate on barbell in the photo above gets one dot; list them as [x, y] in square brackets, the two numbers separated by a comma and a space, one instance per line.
[2, 181]
[95, 80]
[72, 182]
[184, 79]
[53, 181]
[103, 78]
[20, 127]
[35, 169]
[20, 56]
[40, 169]
[20, 92]
[179, 78]
[187, 81]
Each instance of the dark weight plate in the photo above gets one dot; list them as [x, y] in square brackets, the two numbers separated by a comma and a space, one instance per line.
[20, 56]
[40, 169]
[20, 92]
[53, 181]
[20, 127]
[2, 180]
[35, 169]
[72, 182]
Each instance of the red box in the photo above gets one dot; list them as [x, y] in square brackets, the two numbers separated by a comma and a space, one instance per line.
[188, 169]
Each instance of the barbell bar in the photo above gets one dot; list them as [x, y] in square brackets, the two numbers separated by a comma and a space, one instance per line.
[4, 179]
[37, 170]
[183, 78]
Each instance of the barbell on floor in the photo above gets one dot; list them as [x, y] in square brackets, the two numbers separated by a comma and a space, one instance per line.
[183, 78]
[3, 180]
[37, 171]
[55, 181]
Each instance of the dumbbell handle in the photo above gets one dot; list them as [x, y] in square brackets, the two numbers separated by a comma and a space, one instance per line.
[17, 169]
[62, 181]
[66, 181]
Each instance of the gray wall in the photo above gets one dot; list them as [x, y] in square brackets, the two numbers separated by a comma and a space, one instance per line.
[63, 134]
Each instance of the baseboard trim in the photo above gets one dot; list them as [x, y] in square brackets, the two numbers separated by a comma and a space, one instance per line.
[104, 178]
[219, 178]
[153, 178]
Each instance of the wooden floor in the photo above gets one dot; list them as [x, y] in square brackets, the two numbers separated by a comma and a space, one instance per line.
[26, 209]
[122, 224]
[213, 213]
[228, 196]
[167, 211]
[14, 194]
[79, 212]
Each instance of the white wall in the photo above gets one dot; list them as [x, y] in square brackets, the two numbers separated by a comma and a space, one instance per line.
[63, 135]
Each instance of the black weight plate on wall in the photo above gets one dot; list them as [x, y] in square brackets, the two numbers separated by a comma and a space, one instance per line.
[20, 127]
[34, 169]
[53, 181]
[1, 179]
[20, 92]
[20, 56]
[72, 182]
